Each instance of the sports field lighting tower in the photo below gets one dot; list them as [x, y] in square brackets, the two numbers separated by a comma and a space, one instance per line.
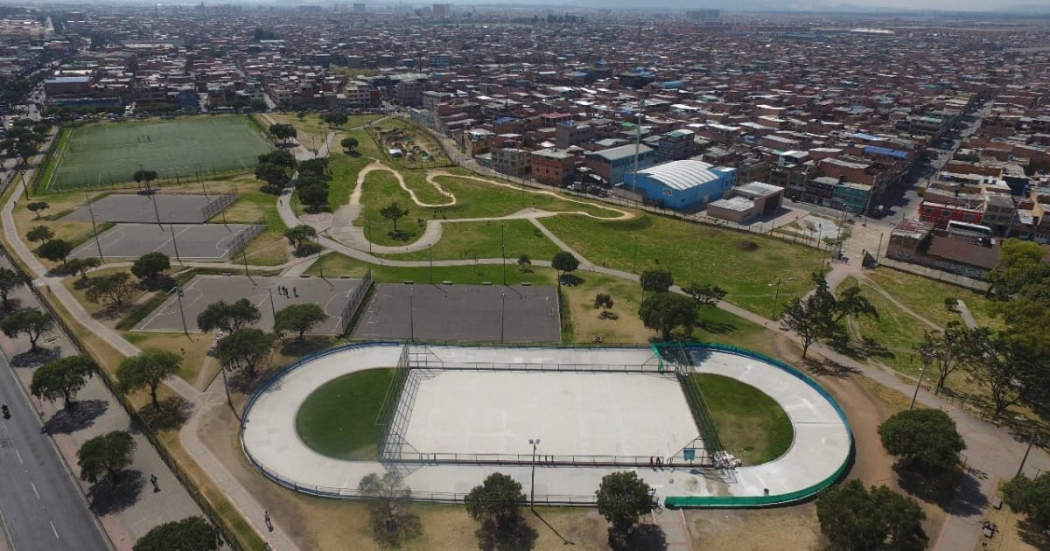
[637, 139]
[532, 493]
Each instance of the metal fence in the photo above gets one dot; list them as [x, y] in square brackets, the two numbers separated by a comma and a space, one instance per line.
[137, 421]
[939, 275]
[220, 203]
[241, 240]
[683, 369]
[356, 299]
[393, 417]
[547, 460]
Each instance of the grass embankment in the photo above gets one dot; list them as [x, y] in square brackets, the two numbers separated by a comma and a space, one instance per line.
[339, 418]
[751, 425]
[927, 297]
[745, 265]
[468, 240]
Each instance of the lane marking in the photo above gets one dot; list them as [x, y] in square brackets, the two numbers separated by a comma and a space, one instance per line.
[20, 462]
[53, 529]
[34, 490]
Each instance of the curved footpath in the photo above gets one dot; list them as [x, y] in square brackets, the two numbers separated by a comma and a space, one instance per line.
[821, 448]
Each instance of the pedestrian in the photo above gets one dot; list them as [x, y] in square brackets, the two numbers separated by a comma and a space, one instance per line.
[269, 524]
[296, 290]
[153, 480]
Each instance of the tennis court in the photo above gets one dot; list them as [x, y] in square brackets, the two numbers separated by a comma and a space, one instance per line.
[107, 154]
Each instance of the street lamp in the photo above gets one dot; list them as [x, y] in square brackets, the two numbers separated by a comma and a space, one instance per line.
[926, 354]
[532, 499]
[776, 294]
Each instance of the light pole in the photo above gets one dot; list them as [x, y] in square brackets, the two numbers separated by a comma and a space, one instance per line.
[94, 229]
[634, 264]
[502, 312]
[879, 249]
[182, 313]
[411, 317]
[776, 296]
[926, 354]
[503, 253]
[1031, 440]
[532, 494]
[175, 243]
[273, 308]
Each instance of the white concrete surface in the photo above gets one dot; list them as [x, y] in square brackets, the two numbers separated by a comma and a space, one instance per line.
[572, 413]
[821, 444]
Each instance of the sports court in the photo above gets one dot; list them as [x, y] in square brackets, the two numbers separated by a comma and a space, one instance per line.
[105, 154]
[576, 413]
[148, 209]
[466, 313]
[200, 242]
[333, 295]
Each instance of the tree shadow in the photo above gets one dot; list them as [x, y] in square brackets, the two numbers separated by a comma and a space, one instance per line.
[170, 413]
[1033, 535]
[160, 283]
[958, 495]
[827, 367]
[515, 536]
[645, 537]
[309, 345]
[70, 420]
[552, 529]
[408, 526]
[41, 356]
[243, 382]
[113, 496]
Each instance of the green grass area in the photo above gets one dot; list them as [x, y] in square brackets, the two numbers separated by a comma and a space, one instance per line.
[926, 297]
[49, 165]
[335, 265]
[891, 338]
[104, 154]
[416, 180]
[695, 252]
[751, 425]
[466, 240]
[339, 418]
[381, 188]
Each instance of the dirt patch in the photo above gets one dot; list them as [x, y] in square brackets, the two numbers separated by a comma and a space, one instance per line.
[782, 528]
[747, 245]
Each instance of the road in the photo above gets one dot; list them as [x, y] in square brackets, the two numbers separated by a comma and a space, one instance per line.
[41, 507]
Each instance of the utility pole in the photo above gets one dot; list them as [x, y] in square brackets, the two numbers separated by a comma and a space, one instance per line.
[926, 354]
[273, 309]
[182, 313]
[634, 264]
[637, 141]
[174, 242]
[94, 229]
[1031, 440]
[776, 296]
[503, 252]
[502, 312]
[430, 257]
[532, 494]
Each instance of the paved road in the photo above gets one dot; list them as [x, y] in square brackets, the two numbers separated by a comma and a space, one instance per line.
[42, 508]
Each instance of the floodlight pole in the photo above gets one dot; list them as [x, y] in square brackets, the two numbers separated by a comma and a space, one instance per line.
[94, 229]
[637, 141]
[182, 313]
[927, 358]
[320, 265]
[502, 312]
[430, 257]
[272, 307]
[503, 252]
[634, 264]
[156, 210]
[532, 494]
[175, 243]
[244, 258]
[1031, 440]
[776, 296]
[411, 318]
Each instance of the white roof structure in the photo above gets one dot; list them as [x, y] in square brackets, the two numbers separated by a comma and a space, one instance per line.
[682, 175]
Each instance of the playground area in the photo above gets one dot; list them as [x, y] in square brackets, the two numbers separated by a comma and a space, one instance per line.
[152, 209]
[181, 242]
[101, 155]
[466, 313]
[336, 296]
[453, 413]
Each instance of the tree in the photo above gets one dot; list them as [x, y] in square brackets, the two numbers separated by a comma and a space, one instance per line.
[315, 198]
[299, 318]
[664, 312]
[349, 144]
[704, 294]
[315, 167]
[393, 212]
[854, 519]
[851, 303]
[276, 177]
[656, 280]
[924, 440]
[389, 499]
[39, 233]
[246, 349]
[496, 501]
[148, 369]
[953, 349]
[151, 265]
[29, 321]
[622, 498]
[336, 119]
[109, 454]
[37, 207]
[9, 281]
[300, 234]
[62, 378]
[144, 176]
[603, 301]
[112, 288]
[1030, 496]
[283, 132]
[523, 262]
[1019, 262]
[56, 250]
[810, 318]
[188, 534]
[229, 317]
[1010, 368]
[565, 263]
[279, 157]
[82, 265]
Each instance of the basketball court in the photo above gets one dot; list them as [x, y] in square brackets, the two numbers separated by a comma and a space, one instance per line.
[197, 242]
[153, 209]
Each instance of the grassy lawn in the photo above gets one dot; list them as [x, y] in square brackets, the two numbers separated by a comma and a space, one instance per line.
[482, 240]
[339, 418]
[694, 252]
[751, 425]
[926, 297]
[895, 333]
[476, 199]
[344, 170]
[335, 265]
[416, 180]
[381, 188]
[193, 348]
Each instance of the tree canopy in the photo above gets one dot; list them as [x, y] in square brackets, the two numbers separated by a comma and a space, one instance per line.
[62, 378]
[298, 318]
[349, 144]
[924, 440]
[705, 294]
[855, 519]
[565, 262]
[300, 234]
[151, 265]
[56, 250]
[1030, 496]
[393, 212]
[148, 369]
[29, 322]
[656, 280]
[9, 281]
[498, 500]
[389, 500]
[109, 453]
[39, 233]
[188, 534]
[622, 498]
[246, 349]
[664, 312]
[228, 317]
[114, 289]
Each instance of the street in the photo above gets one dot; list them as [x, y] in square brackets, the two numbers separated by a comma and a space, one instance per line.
[40, 506]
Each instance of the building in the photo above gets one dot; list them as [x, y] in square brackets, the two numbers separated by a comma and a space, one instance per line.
[511, 161]
[683, 185]
[676, 145]
[553, 167]
[567, 134]
[612, 164]
[850, 197]
[747, 202]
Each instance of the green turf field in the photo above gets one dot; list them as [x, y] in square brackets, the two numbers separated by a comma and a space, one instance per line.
[339, 419]
[751, 425]
[105, 154]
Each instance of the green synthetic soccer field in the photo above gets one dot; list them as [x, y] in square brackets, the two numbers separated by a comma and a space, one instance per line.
[105, 154]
